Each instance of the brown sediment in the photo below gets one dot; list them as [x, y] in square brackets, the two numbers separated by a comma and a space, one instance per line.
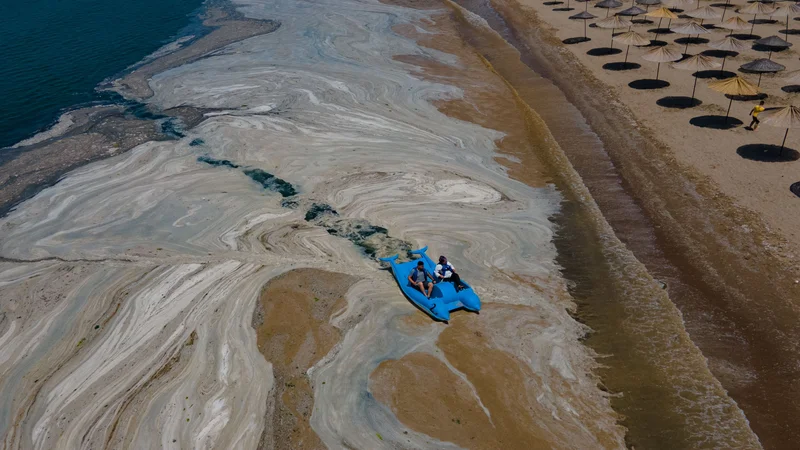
[292, 322]
[498, 381]
[738, 309]
[486, 102]
[227, 31]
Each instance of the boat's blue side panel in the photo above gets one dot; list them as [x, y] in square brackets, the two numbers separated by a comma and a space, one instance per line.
[444, 297]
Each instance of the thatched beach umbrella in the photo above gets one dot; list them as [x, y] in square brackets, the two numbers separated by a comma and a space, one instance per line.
[667, 53]
[613, 23]
[773, 43]
[648, 3]
[696, 64]
[792, 78]
[756, 9]
[705, 13]
[608, 5]
[787, 10]
[633, 11]
[662, 13]
[728, 44]
[734, 23]
[731, 87]
[762, 66]
[786, 117]
[678, 4]
[631, 38]
[584, 16]
[690, 28]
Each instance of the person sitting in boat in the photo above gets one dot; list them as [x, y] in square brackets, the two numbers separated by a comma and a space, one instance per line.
[447, 272]
[419, 278]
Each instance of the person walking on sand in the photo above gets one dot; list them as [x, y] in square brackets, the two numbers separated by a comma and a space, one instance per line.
[419, 278]
[754, 114]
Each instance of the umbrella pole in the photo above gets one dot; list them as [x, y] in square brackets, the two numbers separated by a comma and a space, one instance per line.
[769, 57]
[584, 27]
[784, 141]
[626, 55]
[722, 69]
[693, 88]
[658, 68]
[728, 113]
[612, 37]
[759, 79]
[753, 25]
[686, 49]
[655, 36]
[724, 10]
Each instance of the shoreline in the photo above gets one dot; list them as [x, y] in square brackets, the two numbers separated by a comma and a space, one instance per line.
[81, 135]
[717, 268]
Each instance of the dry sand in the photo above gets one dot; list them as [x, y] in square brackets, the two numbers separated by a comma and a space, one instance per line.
[760, 186]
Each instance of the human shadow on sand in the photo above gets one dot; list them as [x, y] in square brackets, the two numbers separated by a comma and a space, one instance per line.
[648, 84]
[604, 51]
[767, 153]
[678, 102]
[715, 122]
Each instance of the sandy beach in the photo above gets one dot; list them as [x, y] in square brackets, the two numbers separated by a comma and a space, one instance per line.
[219, 288]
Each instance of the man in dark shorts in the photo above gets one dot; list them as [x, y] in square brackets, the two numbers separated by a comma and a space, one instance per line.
[754, 114]
[419, 278]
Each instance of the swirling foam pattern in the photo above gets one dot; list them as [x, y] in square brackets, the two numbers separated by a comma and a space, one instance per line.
[127, 312]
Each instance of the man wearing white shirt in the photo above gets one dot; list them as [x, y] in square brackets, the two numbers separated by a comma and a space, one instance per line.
[447, 272]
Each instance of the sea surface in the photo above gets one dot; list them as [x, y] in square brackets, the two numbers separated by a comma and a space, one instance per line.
[54, 53]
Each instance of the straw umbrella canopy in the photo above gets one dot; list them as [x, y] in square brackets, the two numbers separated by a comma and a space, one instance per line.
[774, 43]
[584, 16]
[662, 13]
[705, 13]
[678, 4]
[696, 63]
[733, 87]
[633, 11]
[734, 23]
[786, 117]
[762, 66]
[756, 9]
[631, 38]
[608, 5]
[667, 53]
[728, 44]
[613, 23]
[690, 28]
[787, 10]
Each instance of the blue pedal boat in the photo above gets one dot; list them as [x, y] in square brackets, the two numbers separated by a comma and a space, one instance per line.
[444, 297]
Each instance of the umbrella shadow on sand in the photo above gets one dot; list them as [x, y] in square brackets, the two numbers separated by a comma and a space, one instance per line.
[767, 153]
[747, 98]
[691, 40]
[719, 74]
[604, 51]
[791, 89]
[647, 84]
[678, 102]
[619, 65]
[576, 40]
[715, 122]
[795, 188]
[746, 37]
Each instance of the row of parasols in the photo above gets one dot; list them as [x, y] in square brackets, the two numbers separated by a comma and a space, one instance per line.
[734, 87]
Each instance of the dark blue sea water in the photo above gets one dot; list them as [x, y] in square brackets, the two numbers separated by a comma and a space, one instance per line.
[54, 53]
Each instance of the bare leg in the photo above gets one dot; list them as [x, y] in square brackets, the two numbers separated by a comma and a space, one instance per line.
[430, 289]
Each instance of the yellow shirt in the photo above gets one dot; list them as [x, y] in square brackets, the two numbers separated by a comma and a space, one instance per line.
[757, 109]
